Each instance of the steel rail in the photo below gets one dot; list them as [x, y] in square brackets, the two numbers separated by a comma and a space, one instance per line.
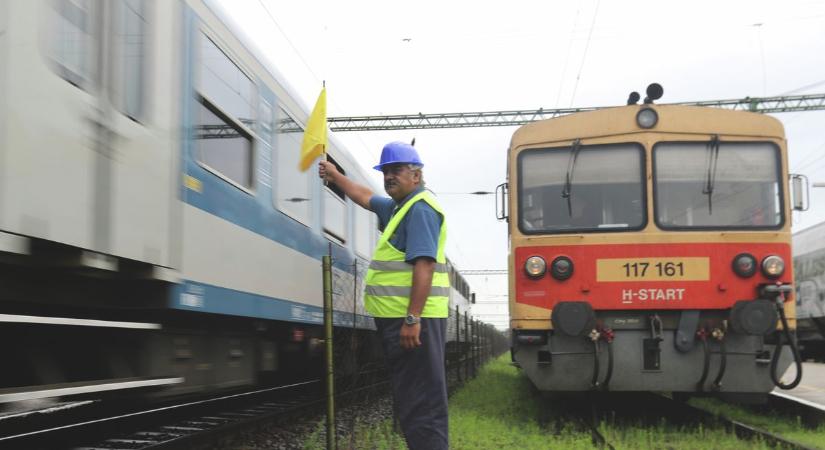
[22, 440]
[740, 429]
[811, 414]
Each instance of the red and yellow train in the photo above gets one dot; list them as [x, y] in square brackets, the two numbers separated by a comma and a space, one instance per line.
[650, 250]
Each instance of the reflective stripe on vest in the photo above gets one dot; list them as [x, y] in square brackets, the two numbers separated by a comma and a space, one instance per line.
[389, 278]
[402, 266]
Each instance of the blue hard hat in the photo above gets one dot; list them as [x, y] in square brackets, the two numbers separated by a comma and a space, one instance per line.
[398, 153]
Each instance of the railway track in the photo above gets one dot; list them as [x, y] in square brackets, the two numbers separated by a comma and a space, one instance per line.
[811, 414]
[172, 426]
[590, 412]
[744, 430]
[97, 424]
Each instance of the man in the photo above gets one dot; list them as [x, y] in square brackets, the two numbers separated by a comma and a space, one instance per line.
[407, 288]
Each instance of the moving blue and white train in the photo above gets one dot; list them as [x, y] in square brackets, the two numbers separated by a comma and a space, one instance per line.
[155, 232]
[809, 271]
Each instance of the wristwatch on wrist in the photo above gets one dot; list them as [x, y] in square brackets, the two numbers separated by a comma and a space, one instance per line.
[411, 319]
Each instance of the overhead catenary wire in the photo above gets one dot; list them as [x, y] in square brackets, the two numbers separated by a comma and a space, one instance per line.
[567, 58]
[804, 88]
[807, 163]
[309, 68]
[758, 27]
[814, 164]
[586, 48]
[294, 48]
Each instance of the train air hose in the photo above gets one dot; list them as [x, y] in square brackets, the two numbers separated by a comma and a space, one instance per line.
[702, 334]
[723, 361]
[607, 335]
[594, 382]
[780, 307]
[609, 373]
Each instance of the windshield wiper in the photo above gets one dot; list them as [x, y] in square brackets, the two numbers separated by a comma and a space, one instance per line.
[711, 158]
[568, 180]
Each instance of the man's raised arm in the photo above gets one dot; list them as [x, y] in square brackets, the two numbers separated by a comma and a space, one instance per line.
[358, 193]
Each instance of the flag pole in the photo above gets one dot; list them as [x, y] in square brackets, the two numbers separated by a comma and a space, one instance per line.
[326, 183]
[328, 333]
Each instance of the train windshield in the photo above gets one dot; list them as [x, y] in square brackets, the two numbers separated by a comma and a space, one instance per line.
[581, 188]
[717, 185]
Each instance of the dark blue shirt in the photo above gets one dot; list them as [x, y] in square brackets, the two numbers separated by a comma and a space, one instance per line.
[417, 234]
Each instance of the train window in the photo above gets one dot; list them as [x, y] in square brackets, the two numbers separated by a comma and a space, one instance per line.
[335, 207]
[130, 41]
[74, 41]
[223, 146]
[225, 84]
[597, 188]
[334, 187]
[291, 189]
[735, 185]
[226, 110]
[363, 232]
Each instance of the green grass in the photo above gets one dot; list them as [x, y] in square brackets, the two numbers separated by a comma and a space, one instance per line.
[499, 410]
[666, 436]
[786, 426]
[380, 436]
[496, 410]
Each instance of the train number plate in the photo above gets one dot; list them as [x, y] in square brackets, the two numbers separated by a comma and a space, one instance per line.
[653, 269]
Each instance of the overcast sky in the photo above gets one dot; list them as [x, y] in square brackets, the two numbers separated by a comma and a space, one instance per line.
[390, 57]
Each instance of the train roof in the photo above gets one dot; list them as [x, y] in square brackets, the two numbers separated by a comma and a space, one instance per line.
[682, 119]
[278, 77]
[809, 240]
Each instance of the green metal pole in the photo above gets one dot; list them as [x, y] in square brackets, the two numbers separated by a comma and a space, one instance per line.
[327, 263]
[458, 348]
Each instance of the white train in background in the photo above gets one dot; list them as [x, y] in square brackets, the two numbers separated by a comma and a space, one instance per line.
[809, 271]
[155, 233]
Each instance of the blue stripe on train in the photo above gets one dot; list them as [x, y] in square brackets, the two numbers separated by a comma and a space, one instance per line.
[194, 296]
[219, 198]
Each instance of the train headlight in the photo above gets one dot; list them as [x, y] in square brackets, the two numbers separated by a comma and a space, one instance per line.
[744, 265]
[647, 118]
[561, 268]
[773, 266]
[535, 267]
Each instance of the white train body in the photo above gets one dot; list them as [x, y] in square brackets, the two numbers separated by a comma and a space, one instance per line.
[148, 173]
[809, 271]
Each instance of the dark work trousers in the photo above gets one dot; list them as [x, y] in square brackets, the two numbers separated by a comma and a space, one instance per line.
[419, 383]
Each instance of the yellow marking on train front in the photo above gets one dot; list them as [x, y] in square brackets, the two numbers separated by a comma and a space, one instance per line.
[653, 269]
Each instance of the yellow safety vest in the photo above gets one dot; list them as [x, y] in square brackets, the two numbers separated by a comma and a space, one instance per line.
[389, 278]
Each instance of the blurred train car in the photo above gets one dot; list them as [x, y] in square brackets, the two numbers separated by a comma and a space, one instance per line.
[155, 233]
[809, 275]
[648, 246]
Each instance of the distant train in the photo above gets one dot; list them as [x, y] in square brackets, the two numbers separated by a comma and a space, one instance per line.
[650, 250]
[155, 233]
[809, 274]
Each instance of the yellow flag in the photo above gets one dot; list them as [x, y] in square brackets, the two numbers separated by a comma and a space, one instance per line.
[315, 136]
